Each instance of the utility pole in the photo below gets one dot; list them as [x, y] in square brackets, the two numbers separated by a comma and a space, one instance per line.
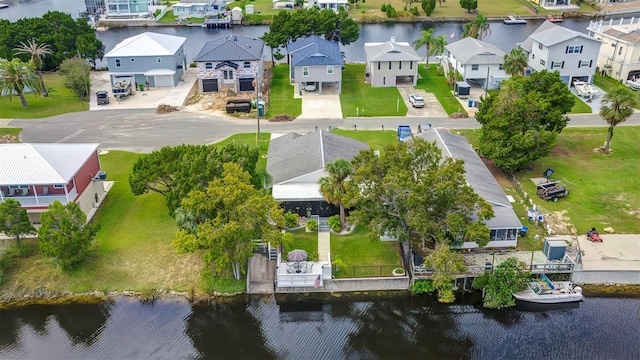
[258, 110]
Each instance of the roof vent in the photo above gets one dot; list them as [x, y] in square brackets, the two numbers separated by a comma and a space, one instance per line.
[393, 39]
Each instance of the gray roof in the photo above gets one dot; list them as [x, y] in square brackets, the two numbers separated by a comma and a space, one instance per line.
[390, 51]
[631, 37]
[549, 34]
[233, 48]
[477, 175]
[474, 51]
[314, 51]
[294, 155]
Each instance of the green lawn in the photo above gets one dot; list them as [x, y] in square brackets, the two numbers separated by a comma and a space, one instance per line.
[307, 241]
[608, 84]
[361, 99]
[376, 139]
[431, 82]
[580, 107]
[60, 101]
[357, 255]
[10, 131]
[281, 99]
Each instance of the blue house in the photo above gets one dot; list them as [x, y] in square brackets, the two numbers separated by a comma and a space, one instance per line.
[315, 62]
[153, 59]
[199, 9]
[126, 7]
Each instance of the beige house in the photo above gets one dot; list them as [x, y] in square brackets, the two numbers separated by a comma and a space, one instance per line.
[391, 63]
[619, 55]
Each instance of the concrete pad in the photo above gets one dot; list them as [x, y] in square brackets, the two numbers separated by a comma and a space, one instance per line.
[321, 107]
[432, 107]
[615, 252]
[475, 92]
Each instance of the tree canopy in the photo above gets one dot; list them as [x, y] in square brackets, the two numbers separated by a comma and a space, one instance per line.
[14, 220]
[509, 277]
[617, 107]
[469, 5]
[411, 192]
[515, 62]
[175, 171]
[15, 77]
[478, 28]
[64, 234]
[76, 75]
[292, 25]
[65, 37]
[229, 214]
[521, 120]
[333, 186]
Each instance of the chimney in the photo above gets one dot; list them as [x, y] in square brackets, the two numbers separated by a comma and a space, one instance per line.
[393, 39]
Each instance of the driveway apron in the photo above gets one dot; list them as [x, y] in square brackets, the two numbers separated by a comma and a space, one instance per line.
[321, 107]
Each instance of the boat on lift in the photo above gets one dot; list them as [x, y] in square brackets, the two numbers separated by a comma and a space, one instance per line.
[544, 291]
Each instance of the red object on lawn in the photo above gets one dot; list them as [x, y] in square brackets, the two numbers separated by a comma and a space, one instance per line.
[593, 235]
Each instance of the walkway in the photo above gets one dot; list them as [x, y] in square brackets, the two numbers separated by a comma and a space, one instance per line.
[261, 275]
[324, 239]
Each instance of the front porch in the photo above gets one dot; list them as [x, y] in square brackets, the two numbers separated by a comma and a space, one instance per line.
[37, 196]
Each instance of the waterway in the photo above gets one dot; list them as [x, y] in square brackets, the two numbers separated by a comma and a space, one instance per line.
[347, 327]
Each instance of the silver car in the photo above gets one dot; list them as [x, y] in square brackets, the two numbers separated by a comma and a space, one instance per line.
[416, 101]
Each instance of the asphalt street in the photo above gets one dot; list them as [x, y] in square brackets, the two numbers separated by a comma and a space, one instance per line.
[144, 130]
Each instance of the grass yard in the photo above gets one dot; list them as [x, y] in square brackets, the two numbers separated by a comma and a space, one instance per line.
[376, 139]
[431, 82]
[580, 107]
[357, 254]
[361, 99]
[281, 99]
[10, 131]
[307, 241]
[60, 101]
[608, 84]
[250, 139]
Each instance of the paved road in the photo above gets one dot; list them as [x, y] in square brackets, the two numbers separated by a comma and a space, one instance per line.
[143, 130]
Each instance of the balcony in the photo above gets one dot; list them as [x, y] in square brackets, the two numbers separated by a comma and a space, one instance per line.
[43, 200]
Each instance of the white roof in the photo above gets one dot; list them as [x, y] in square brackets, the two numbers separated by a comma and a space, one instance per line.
[147, 44]
[297, 192]
[159, 72]
[37, 164]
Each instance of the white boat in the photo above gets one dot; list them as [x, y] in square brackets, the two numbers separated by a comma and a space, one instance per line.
[514, 20]
[633, 84]
[546, 292]
[585, 90]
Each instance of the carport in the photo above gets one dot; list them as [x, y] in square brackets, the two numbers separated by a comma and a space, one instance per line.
[160, 77]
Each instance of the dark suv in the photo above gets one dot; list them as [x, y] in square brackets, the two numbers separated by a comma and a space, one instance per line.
[103, 97]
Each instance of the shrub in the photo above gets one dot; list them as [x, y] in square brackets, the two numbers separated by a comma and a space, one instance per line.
[291, 219]
[157, 12]
[383, 8]
[334, 223]
[391, 11]
[423, 286]
[415, 11]
[312, 225]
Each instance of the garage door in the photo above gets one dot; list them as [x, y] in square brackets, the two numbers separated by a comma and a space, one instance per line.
[164, 80]
[209, 85]
[246, 84]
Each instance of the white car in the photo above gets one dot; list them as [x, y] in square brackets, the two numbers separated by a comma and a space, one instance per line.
[416, 101]
[310, 86]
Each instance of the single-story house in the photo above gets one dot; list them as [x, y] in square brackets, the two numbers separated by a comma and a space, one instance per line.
[230, 62]
[199, 8]
[156, 60]
[504, 227]
[315, 60]
[391, 63]
[38, 174]
[334, 5]
[477, 61]
[127, 8]
[296, 163]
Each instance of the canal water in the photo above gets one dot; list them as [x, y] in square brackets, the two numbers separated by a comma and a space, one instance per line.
[343, 327]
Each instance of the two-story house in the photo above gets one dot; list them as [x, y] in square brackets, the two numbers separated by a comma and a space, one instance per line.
[314, 60]
[556, 48]
[199, 9]
[230, 62]
[619, 55]
[152, 59]
[477, 61]
[391, 63]
[116, 8]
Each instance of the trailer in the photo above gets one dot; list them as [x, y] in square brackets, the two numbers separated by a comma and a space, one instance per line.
[552, 191]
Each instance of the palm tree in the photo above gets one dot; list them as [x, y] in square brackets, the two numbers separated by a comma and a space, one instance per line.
[38, 53]
[515, 62]
[425, 39]
[478, 28]
[617, 107]
[15, 76]
[333, 186]
[438, 44]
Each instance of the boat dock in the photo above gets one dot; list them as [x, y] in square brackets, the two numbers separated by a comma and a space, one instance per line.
[513, 19]
[217, 23]
[554, 18]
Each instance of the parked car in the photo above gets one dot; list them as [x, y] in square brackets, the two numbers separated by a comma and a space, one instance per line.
[102, 97]
[417, 101]
[310, 86]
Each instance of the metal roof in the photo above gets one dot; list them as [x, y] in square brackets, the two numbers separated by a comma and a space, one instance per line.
[315, 51]
[474, 51]
[293, 155]
[232, 48]
[147, 44]
[36, 164]
[390, 51]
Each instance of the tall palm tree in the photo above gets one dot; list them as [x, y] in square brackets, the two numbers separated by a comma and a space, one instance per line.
[515, 62]
[438, 44]
[38, 53]
[478, 28]
[15, 76]
[617, 107]
[425, 39]
[333, 186]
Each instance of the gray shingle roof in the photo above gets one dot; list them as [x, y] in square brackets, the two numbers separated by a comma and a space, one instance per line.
[233, 48]
[632, 36]
[294, 155]
[477, 175]
[390, 51]
[474, 51]
[549, 34]
[314, 51]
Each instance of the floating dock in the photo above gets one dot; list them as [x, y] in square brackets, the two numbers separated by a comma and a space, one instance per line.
[514, 20]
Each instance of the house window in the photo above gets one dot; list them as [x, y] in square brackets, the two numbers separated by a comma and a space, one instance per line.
[410, 65]
[389, 65]
[58, 186]
[208, 66]
[474, 67]
[159, 60]
[379, 64]
[330, 70]
[584, 63]
[246, 65]
[556, 65]
[620, 50]
[577, 49]
[305, 71]
[500, 67]
[542, 62]
[227, 74]
[118, 64]
[540, 46]
[384, 80]
[399, 65]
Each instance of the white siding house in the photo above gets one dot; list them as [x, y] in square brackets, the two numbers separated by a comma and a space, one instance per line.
[619, 55]
[391, 63]
[477, 61]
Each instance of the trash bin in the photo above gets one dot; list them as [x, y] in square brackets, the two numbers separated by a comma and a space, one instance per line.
[261, 108]
[470, 103]
[523, 231]
[476, 104]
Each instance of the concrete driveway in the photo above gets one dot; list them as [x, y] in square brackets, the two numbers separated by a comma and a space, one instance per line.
[148, 99]
[432, 107]
[316, 106]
